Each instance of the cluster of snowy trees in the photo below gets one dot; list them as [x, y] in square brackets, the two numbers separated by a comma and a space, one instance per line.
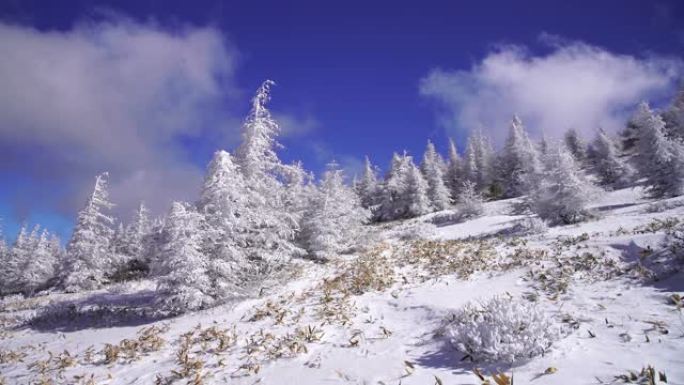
[255, 213]
[31, 263]
[558, 180]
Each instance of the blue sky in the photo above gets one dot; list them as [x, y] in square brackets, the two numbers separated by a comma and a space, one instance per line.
[149, 89]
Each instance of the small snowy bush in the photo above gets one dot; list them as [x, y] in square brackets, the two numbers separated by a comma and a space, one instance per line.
[664, 205]
[529, 226]
[445, 218]
[414, 230]
[502, 329]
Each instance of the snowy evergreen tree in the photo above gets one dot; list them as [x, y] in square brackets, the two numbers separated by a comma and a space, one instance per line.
[5, 261]
[224, 204]
[333, 222]
[299, 189]
[478, 161]
[40, 267]
[89, 257]
[673, 117]
[392, 203]
[519, 162]
[4, 255]
[575, 145]
[137, 234]
[563, 193]
[432, 169]
[543, 145]
[404, 193]
[184, 282]
[417, 192]
[13, 262]
[131, 248]
[611, 170]
[470, 169]
[454, 174]
[272, 222]
[469, 202]
[31, 263]
[659, 160]
[368, 186]
[118, 248]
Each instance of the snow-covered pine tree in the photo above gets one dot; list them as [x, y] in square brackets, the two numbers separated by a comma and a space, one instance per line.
[40, 268]
[673, 117]
[543, 145]
[575, 145]
[659, 160]
[368, 186]
[272, 224]
[417, 192]
[392, 201]
[4, 251]
[432, 169]
[469, 202]
[478, 161]
[223, 202]
[611, 170]
[155, 242]
[118, 248]
[184, 279]
[299, 187]
[137, 234]
[88, 253]
[5, 261]
[454, 174]
[563, 193]
[10, 269]
[519, 161]
[470, 170]
[485, 156]
[334, 219]
[59, 253]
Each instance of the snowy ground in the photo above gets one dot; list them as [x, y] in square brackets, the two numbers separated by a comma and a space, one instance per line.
[379, 318]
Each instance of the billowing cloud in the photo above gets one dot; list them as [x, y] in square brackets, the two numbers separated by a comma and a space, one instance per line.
[574, 86]
[118, 96]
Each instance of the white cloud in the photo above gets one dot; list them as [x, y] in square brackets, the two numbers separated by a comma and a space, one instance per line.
[575, 85]
[115, 96]
[295, 125]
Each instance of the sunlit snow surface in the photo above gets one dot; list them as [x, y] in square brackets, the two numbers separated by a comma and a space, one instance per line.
[622, 323]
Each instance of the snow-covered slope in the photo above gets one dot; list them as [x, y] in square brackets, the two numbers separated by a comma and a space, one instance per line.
[383, 317]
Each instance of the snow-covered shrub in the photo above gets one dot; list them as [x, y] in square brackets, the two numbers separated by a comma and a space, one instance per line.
[664, 205]
[503, 329]
[530, 225]
[677, 245]
[444, 218]
[413, 230]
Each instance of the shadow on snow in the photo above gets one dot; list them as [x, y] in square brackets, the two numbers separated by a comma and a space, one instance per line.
[100, 310]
